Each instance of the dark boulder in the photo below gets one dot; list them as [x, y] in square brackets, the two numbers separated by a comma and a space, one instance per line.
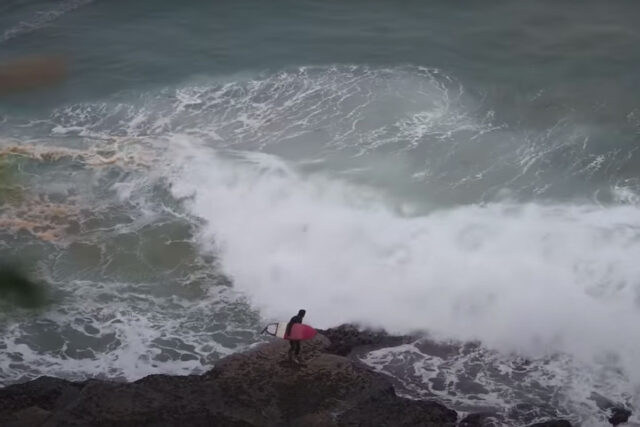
[346, 338]
[480, 419]
[616, 413]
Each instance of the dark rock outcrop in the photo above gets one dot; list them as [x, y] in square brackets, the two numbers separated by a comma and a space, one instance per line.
[256, 388]
[346, 338]
[616, 413]
[386, 409]
[36, 399]
[480, 419]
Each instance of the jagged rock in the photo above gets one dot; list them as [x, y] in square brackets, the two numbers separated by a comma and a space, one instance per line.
[618, 415]
[387, 410]
[256, 388]
[46, 393]
[346, 338]
[480, 419]
[33, 416]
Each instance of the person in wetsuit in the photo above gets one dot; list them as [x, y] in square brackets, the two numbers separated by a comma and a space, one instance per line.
[294, 348]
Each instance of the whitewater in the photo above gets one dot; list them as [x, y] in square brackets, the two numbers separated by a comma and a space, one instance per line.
[172, 211]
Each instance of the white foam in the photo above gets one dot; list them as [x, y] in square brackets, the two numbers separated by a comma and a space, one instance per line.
[176, 319]
[137, 324]
[535, 279]
[400, 128]
[346, 107]
[624, 194]
[557, 386]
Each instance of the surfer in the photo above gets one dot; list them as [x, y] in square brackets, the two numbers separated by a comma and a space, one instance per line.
[294, 348]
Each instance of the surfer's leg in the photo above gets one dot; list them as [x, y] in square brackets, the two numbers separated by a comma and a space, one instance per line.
[292, 347]
[297, 346]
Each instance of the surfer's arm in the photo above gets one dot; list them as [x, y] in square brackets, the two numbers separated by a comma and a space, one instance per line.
[293, 320]
[289, 326]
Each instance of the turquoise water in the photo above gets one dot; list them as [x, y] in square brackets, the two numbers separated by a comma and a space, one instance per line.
[467, 170]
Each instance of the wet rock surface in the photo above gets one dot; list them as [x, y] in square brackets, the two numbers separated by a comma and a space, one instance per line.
[616, 413]
[259, 387]
[346, 338]
[256, 388]
[480, 419]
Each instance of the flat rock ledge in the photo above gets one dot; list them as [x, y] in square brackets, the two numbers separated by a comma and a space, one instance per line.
[255, 388]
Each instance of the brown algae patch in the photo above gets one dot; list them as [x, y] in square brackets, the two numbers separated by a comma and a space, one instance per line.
[44, 219]
[22, 210]
[102, 155]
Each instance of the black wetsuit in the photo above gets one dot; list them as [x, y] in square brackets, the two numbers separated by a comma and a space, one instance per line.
[295, 344]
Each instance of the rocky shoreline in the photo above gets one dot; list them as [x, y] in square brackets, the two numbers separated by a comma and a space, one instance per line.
[255, 388]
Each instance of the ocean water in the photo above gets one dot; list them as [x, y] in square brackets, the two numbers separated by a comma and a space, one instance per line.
[467, 172]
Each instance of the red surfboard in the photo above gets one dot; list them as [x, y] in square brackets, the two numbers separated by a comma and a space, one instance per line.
[299, 331]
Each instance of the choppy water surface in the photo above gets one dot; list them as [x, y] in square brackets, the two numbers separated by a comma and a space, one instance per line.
[469, 171]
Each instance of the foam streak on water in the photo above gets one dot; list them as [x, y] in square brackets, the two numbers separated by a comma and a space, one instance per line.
[515, 390]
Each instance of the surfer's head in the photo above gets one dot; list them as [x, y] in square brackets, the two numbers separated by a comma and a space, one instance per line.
[301, 313]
